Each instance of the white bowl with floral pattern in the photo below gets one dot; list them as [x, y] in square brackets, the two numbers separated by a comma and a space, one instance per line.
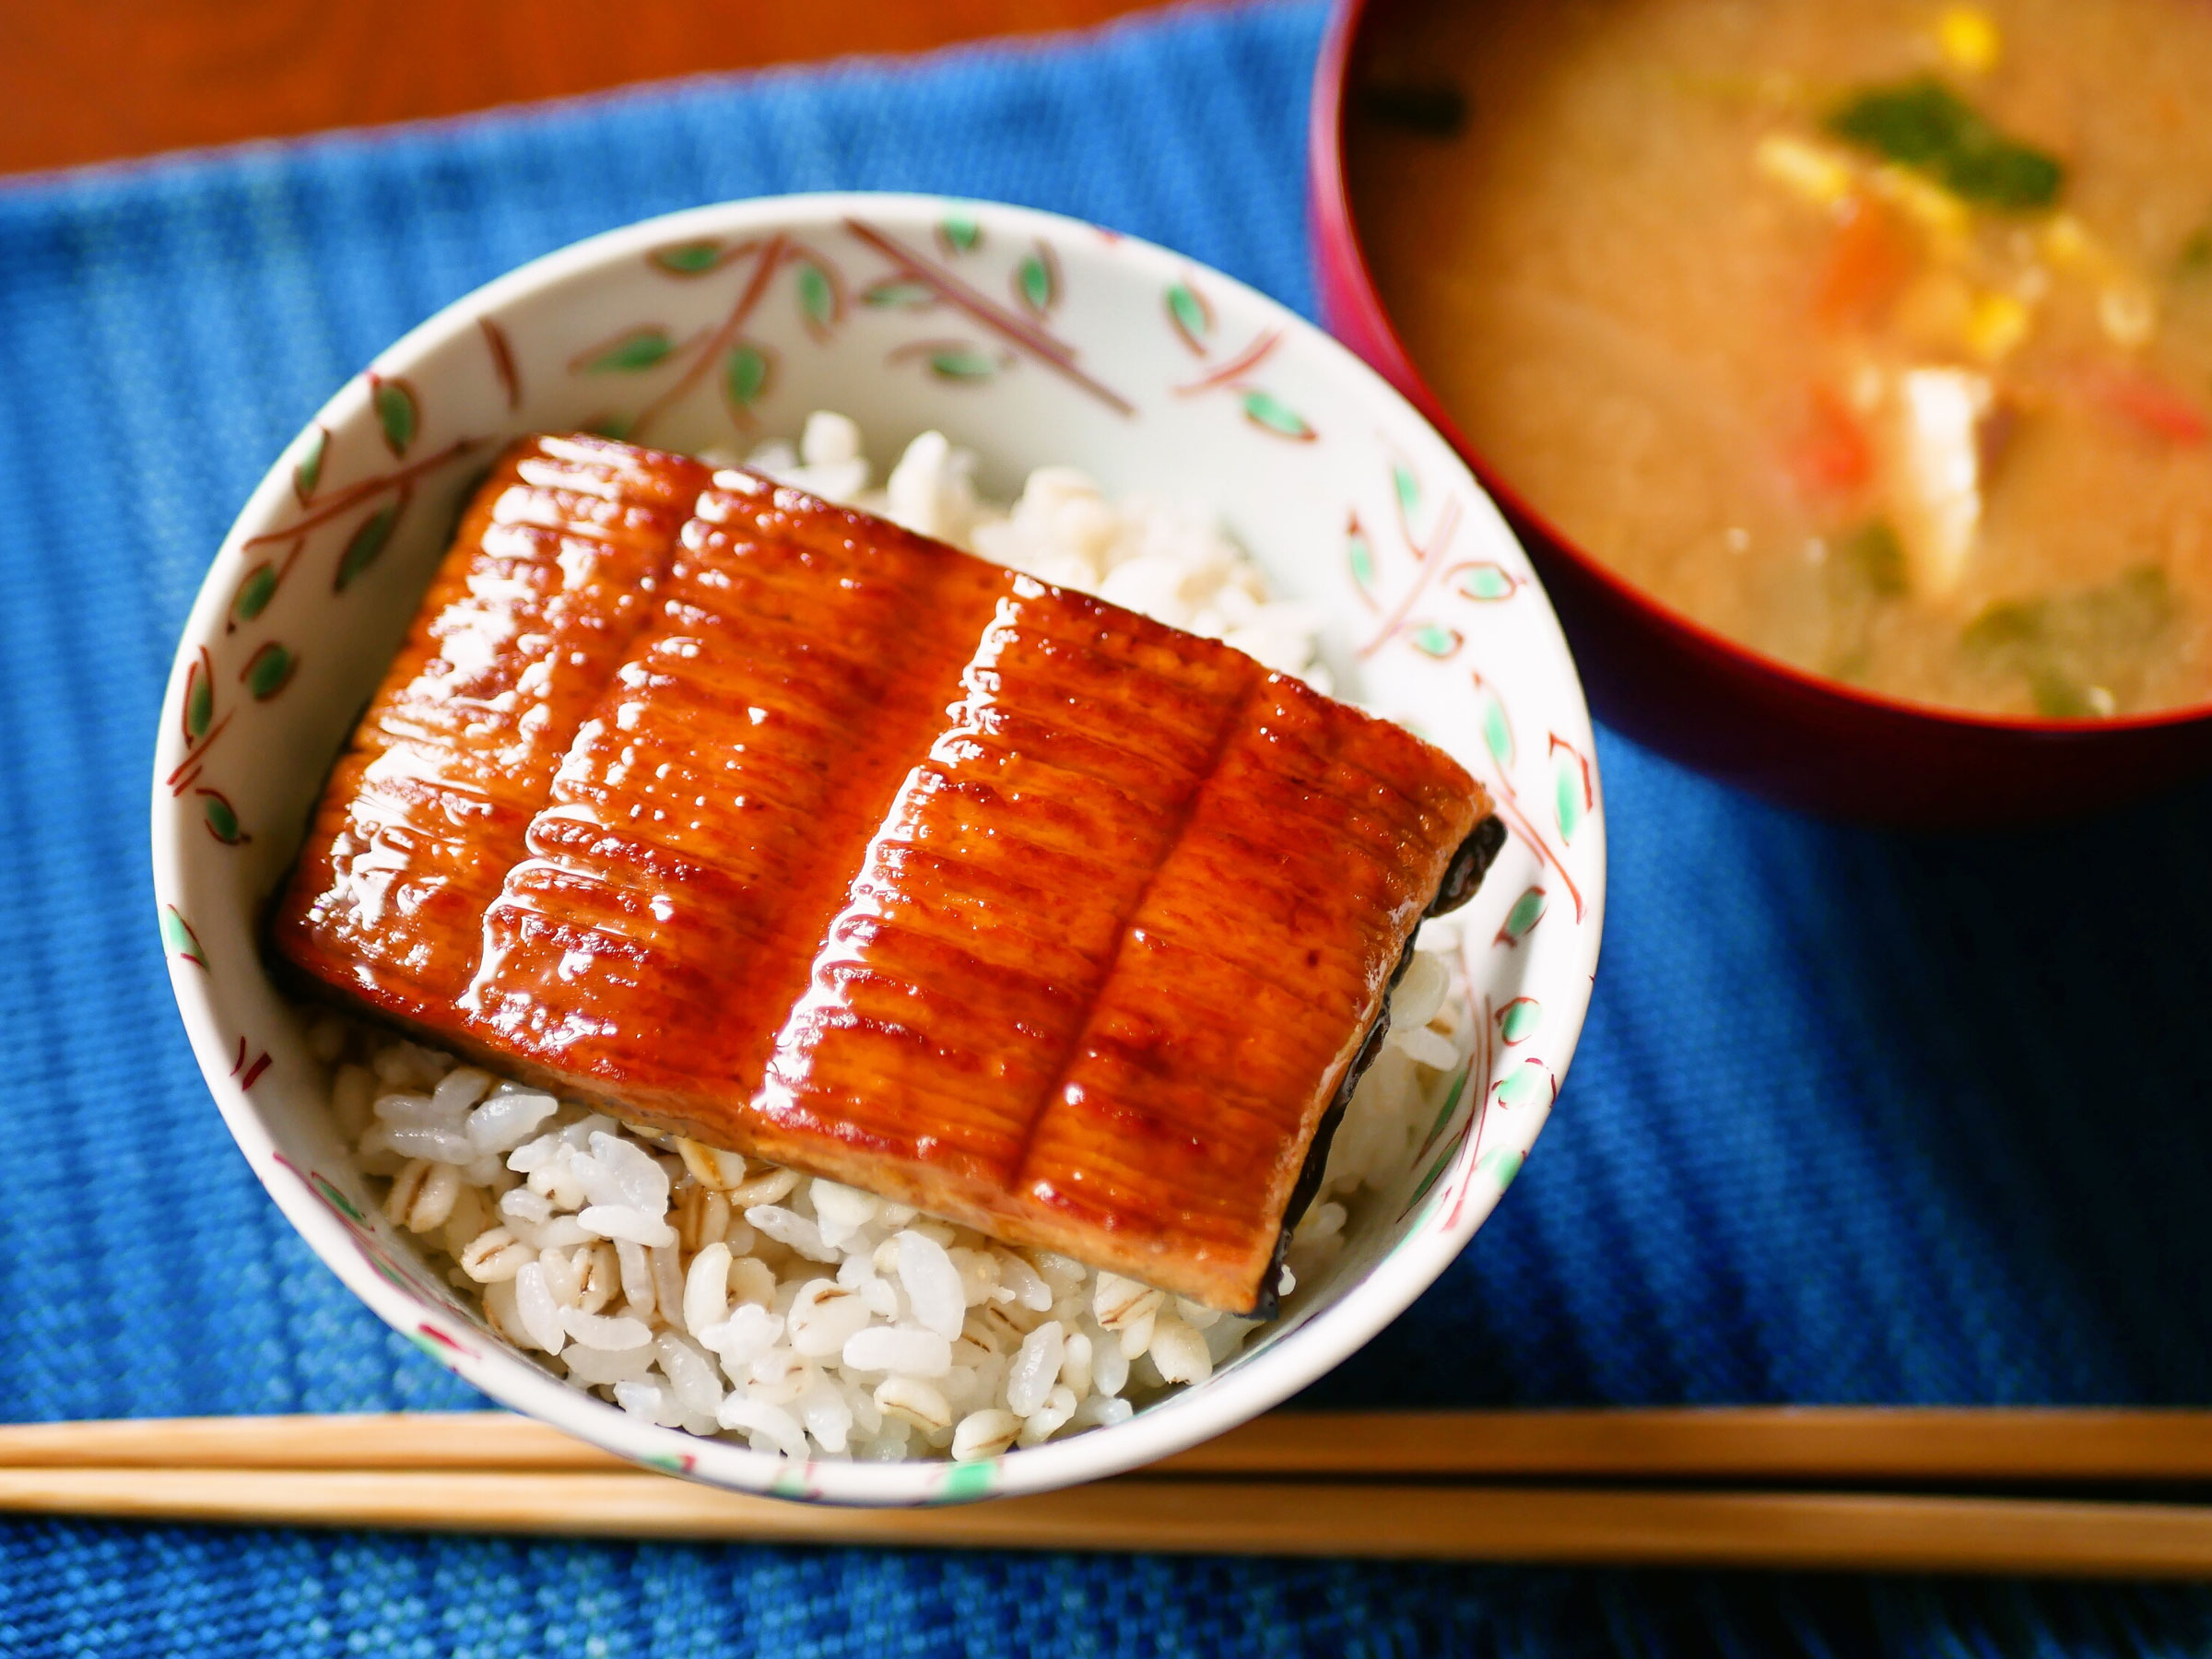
[1031, 339]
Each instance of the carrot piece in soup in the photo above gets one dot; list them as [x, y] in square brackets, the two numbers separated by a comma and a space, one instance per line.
[2150, 406]
[1835, 453]
[1867, 263]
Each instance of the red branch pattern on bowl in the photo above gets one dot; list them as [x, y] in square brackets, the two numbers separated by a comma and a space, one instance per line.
[748, 365]
[1193, 319]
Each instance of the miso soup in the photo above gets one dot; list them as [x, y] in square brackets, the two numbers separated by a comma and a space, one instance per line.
[1874, 334]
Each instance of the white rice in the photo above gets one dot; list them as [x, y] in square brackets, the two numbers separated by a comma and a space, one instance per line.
[1168, 562]
[726, 1296]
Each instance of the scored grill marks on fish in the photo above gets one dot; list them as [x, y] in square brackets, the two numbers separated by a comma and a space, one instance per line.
[706, 822]
[551, 573]
[952, 989]
[1245, 983]
[902, 868]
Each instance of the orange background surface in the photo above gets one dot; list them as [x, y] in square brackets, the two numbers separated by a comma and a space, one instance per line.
[94, 80]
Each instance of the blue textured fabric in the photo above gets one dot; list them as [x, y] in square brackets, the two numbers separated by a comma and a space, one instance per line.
[1858, 1116]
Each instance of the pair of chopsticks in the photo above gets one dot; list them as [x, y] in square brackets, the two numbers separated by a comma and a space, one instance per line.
[1907, 1489]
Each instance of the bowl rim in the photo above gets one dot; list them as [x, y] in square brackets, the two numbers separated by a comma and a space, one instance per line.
[1337, 241]
[1303, 1355]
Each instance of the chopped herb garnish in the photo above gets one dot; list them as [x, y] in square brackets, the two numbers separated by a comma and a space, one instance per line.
[1432, 109]
[2006, 625]
[2059, 695]
[2195, 257]
[2071, 649]
[1924, 125]
[1864, 570]
[1875, 556]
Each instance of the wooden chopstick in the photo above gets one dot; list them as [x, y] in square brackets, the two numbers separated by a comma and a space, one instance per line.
[1289, 1483]
[1818, 1443]
[1908, 1445]
[1444, 1522]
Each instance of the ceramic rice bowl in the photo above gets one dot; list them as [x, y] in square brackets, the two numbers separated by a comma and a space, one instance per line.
[1033, 340]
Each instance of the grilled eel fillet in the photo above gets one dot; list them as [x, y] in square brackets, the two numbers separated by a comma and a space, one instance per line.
[778, 827]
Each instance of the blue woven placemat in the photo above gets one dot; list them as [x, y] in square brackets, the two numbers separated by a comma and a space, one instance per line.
[1858, 1117]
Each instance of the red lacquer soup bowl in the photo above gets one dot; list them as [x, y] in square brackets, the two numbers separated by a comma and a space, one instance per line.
[1666, 681]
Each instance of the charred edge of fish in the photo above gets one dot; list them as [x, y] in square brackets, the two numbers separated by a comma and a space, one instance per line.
[1324, 1135]
[1463, 875]
[1468, 865]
